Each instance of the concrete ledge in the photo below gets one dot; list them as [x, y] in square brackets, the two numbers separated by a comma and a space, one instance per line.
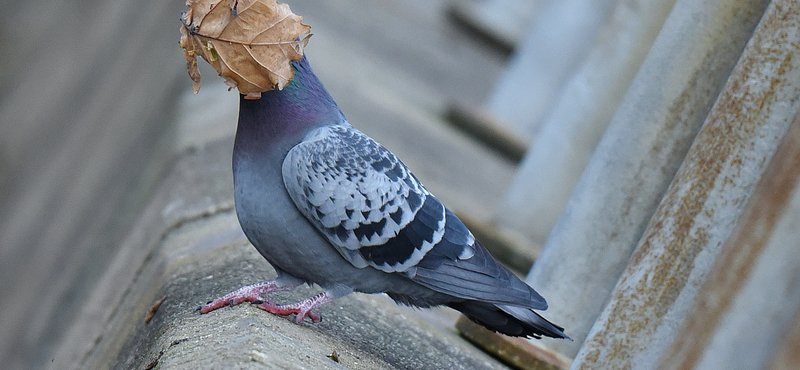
[198, 185]
[521, 353]
[483, 127]
[188, 248]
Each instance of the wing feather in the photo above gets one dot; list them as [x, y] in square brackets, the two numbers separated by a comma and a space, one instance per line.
[363, 199]
[376, 213]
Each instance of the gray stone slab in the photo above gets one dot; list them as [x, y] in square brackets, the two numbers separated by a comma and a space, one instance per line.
[197, 186]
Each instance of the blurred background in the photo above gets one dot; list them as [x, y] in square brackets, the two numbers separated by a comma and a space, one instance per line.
[510, 111]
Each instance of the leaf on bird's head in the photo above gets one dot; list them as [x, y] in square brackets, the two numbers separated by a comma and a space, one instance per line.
[250, 43]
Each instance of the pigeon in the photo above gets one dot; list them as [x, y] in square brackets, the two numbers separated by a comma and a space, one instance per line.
[326, 204]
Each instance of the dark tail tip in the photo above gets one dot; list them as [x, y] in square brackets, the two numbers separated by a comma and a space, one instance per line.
[513, 321]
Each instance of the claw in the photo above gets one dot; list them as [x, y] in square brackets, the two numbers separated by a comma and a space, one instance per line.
[302, 309]
[248, 293]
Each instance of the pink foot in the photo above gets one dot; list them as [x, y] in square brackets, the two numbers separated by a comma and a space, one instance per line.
[302, 309]
[250, 293]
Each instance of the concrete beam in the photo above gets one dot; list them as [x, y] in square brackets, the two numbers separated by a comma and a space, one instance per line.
[700, 209]
[557, 43]
[580, 115]
[637, 158]
[745, 309]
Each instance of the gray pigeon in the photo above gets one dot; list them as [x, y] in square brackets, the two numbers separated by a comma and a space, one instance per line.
[325, 204]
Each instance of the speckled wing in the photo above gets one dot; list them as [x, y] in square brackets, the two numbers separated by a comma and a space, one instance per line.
[376, 213]
[363, 199]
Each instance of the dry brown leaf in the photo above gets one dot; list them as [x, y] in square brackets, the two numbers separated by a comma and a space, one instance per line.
[250, 43]
[153, 309]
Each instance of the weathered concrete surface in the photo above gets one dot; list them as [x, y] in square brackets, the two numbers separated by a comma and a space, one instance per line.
[787, 355]
[503, 22]
[188, 247]
[637, 158]
[698, 214]
[518, 352]
[580, 115]
[560, 36]
[366, 332]
[753, 283]
[195, 188]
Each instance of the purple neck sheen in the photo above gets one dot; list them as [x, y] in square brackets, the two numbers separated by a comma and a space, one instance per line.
[303, 104]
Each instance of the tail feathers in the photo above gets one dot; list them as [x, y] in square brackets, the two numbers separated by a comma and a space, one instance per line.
[510, 320]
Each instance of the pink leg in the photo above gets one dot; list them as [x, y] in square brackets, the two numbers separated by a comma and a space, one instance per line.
[250, 293]
[302, 309]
